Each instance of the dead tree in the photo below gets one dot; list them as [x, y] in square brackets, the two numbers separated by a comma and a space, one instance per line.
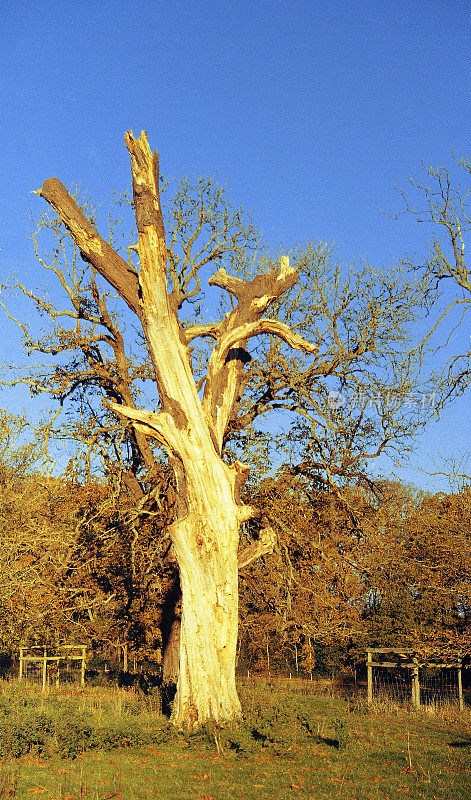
[205, 533]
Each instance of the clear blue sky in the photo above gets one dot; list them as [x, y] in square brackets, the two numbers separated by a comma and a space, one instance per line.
[309, 111]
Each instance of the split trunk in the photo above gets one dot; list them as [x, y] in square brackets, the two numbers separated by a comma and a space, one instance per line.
[205, 534]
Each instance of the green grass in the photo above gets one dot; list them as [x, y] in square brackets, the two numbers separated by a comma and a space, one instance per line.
[293, 744]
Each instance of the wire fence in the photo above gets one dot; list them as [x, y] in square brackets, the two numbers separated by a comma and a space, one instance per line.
[437, 687]
[406, 680]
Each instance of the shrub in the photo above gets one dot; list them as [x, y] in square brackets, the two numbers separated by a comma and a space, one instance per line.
[73, 735]
[131, 732]
[27, 735]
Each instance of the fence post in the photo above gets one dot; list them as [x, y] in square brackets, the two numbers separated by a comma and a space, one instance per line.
[460, 687]
[82, 671]
[44, 669]
[370, 678]
[415, 686]
[20, 674]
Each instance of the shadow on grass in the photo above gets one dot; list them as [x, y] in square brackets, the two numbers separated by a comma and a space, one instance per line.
[329, 742]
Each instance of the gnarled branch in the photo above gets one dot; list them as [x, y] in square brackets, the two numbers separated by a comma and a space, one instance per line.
[93, 248]
[263, 546]
[160, 426]
[226, 375]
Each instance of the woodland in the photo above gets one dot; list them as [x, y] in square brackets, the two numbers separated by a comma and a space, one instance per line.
[221, 408]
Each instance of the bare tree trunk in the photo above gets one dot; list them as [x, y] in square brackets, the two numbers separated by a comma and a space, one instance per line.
[171, 653]
[171, 612]
[206, 542]
[208, 642]
[205, 534]
[170, 631]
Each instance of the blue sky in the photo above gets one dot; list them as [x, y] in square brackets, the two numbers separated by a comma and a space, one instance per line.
[310, 112]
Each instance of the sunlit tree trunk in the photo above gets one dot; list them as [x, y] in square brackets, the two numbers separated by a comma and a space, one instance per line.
[205, 533]
[208, 637]
[205, 537]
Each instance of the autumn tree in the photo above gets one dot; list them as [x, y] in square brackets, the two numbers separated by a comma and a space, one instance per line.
[37, 521]
[418, 588]
[112, 557]
[309, 594]
[72, 567]
[396, 574]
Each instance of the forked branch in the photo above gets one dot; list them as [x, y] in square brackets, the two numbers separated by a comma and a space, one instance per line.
[159, 426]
[225, 377]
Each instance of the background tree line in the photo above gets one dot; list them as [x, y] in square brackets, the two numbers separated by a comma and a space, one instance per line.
[73, 568]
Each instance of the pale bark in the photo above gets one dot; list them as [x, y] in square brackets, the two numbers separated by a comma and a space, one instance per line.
[171, 614]
[206, 682]
[171, 653]
[205, 534]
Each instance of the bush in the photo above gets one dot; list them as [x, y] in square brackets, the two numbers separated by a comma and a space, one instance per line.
[278, 725]
[240, 738]
[130, 732]
[34, 724]
[28, 735]
[73, 735]
[275, 718]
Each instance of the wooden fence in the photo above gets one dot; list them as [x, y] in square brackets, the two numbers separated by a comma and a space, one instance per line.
[409, 660]
[62, 654]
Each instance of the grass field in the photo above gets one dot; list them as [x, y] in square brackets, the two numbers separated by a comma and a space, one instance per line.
[102, 744]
